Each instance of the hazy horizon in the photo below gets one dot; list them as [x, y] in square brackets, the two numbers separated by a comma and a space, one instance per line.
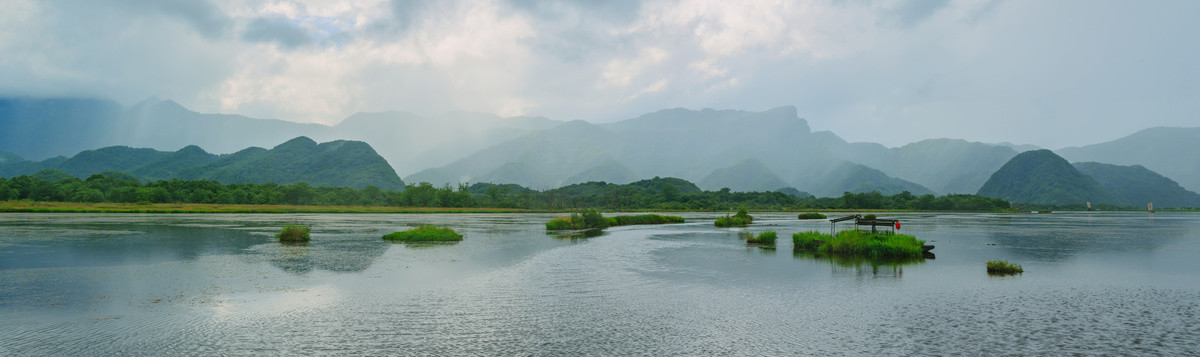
[1050, 74]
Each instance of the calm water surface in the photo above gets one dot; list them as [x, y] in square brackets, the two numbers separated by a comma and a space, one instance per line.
[108, 284]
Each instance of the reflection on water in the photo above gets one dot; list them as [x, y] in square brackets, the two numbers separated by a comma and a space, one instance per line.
[93, 284]
[576, 235]
[860, 266]
[1062, 236]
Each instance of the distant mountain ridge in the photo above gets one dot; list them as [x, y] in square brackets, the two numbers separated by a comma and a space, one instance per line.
[38, 129]
[340, 163]
[1041, 176]
[1171, 152]
[1136, 185]
[759, 151]
[710, 147]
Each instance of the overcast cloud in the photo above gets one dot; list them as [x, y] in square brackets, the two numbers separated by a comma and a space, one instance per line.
[1050, 73]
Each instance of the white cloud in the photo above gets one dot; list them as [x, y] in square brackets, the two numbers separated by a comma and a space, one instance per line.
[994, 71]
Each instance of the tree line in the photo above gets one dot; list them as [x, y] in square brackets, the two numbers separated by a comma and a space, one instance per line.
[652, 194]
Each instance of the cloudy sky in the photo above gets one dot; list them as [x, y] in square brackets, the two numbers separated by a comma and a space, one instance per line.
[1050, 73]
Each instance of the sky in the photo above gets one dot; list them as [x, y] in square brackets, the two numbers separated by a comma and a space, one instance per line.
[1048, 73]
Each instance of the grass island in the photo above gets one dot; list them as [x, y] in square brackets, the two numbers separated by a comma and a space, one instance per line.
[592, 219]
[294, 233]
[741, 219]
[811, 215]
[860, 243]
[425, 233]
[765, 238]
[1000, 267]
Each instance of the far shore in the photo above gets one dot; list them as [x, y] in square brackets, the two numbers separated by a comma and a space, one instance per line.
[110, 207]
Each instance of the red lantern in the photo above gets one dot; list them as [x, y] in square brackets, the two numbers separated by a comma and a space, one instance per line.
[897, 224]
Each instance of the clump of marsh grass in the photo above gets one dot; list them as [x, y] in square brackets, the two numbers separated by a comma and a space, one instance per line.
[425, 233]
[294, 233]
[860, 243]
[585, 219]
[811, 215]
[764, 238]
[741, 219]
[1000, 267]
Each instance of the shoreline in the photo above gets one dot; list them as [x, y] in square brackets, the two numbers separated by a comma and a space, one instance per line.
[81, 207]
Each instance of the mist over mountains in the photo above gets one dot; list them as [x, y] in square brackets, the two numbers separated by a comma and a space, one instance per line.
[38, 129]
[740, 150]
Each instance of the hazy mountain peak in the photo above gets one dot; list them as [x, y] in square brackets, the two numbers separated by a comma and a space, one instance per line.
[8, 157]
[1136, 185]
[745, 176]
[192, 149]
[298, 142]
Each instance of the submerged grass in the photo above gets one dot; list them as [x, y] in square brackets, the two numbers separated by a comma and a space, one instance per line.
[859, 243]
[1000, 267]
[425, 233]
[294, 233]
[811, 215]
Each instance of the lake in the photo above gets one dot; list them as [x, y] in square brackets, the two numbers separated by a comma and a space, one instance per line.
[218, 284]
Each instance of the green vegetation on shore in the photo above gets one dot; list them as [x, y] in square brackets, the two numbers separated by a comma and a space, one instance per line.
[25, 206]
[425, 233]
[294, 233]
[811, 215]
[1000, 267]
[764, 238]
[655, 194]
[860, 243]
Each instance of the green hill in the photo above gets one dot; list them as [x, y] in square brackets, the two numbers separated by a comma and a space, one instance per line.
[608, 171]
[1136, 185]
[1040, 176]
[174, 164]
[336, 163]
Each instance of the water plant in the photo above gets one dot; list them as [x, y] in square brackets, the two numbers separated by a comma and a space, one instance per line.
[294, 233]
[764, 238]
[860, 243]
[809, 240]
[585, 219]
[741, 213]
[425, 233]
[741, 219]
[731, 221]
[1000, 267]
[643, 219]
[869, 216]
[811, 215]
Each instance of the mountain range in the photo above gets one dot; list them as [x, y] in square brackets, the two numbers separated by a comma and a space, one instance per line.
[38, 129]
[740, 150]
[339, 163]
[744, 151]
